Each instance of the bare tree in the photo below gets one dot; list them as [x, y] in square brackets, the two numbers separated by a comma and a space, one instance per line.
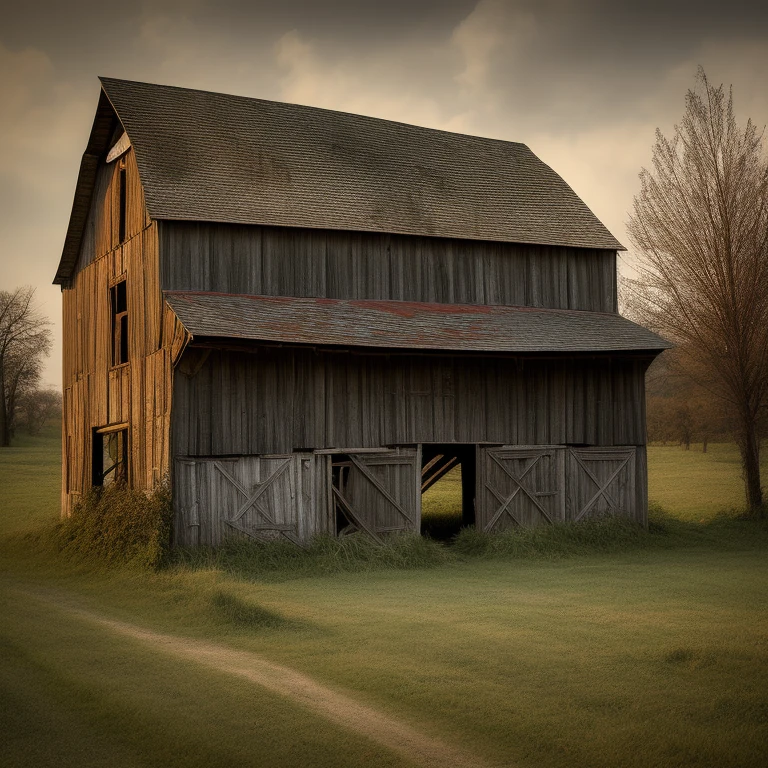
[38, 406]
[701, 224]
[25, 338]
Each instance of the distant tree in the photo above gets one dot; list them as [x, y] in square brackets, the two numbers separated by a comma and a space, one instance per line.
[38, 406]
[701, 225]
[25, 339]
[679, 408]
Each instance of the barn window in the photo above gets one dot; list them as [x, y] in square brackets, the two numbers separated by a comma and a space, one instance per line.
[119, 302]
[110, 455]
[123, 205]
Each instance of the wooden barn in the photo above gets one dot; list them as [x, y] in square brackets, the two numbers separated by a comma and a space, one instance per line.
[305, 317]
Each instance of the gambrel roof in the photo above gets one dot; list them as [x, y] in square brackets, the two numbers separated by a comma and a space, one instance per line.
[213, 157]
[407, 324]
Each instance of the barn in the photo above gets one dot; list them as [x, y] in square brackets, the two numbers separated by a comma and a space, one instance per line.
[304, 318]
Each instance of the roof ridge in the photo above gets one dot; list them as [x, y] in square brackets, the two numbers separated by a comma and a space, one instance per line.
[355, 115]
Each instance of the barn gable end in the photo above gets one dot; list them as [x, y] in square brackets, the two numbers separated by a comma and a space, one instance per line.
[117, 359]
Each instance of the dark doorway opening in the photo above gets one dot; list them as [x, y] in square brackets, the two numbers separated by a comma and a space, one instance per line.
[447, 489]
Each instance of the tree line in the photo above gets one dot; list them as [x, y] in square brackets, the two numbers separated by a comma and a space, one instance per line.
[25, 340]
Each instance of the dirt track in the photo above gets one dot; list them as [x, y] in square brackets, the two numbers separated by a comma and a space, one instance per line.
[340, 708]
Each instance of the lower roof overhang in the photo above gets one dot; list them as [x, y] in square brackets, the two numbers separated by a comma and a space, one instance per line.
[396, 327]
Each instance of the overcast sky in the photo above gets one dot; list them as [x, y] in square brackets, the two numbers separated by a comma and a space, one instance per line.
[584, 84]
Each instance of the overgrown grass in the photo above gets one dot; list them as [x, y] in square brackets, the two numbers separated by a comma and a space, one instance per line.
[118, 526]
[324, 555]
[279, 560]
[608, 534]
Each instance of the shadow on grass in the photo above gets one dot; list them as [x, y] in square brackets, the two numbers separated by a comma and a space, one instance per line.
[728, 530]
[230, 609]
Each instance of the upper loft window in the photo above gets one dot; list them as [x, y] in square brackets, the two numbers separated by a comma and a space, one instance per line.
[119, 305]
[118, 152]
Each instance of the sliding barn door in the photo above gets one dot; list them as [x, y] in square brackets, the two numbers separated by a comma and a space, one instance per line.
[262, 497]
[601, 481]
[519, 486]
[377, 493]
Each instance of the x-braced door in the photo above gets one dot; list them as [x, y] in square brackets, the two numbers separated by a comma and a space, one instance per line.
[601, 481]
[377, 493]
[519, 486]
[259, 496]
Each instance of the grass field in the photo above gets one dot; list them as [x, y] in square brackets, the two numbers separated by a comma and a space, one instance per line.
[654, 655]
[696, 486]
[689, 484]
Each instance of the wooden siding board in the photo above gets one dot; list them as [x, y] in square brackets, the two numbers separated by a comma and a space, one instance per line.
[264, 497]
[281, 400]
[139, 392]
[357, 265]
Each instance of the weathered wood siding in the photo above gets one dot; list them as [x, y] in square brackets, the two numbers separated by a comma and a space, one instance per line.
[101, 235]
[358, 265]
[543, 484]
[138, 393]
[263, 497]
[295, 495]
[278, 400]
[380, 492]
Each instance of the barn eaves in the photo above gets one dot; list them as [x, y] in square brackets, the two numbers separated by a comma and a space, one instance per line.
[407, 325]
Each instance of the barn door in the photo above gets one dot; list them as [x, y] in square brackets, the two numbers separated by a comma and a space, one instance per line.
[377, 493]
[601, 481]
[519, 486]
[259, 496]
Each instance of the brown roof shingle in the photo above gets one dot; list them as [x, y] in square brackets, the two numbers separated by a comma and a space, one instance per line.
[213, 157]
[407, 325]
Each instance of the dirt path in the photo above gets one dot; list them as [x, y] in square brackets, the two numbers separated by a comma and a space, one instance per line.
[339, 708]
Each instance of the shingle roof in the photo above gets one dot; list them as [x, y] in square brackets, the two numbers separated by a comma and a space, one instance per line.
[407, 325]
[213, 157]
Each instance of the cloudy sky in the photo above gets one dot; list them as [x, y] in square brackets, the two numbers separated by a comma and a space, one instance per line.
[584, 84]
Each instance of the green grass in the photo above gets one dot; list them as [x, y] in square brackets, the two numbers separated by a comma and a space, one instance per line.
[537, 652]
[697, 486]
[441, 506]
[30, 479]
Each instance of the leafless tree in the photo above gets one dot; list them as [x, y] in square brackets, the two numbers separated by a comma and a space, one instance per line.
[25, 338]
[38, 406]
[701, 225]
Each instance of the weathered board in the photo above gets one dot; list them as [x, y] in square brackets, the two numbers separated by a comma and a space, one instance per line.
[281, 400]
[378, 493]
[535, 485]
[601, 482]
[519, 486]
[280, 261]
[261, 497]
[97, 393]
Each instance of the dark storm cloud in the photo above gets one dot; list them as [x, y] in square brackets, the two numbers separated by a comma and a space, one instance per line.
[583, 83]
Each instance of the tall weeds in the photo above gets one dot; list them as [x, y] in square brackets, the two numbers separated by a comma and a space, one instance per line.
[119, 526]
